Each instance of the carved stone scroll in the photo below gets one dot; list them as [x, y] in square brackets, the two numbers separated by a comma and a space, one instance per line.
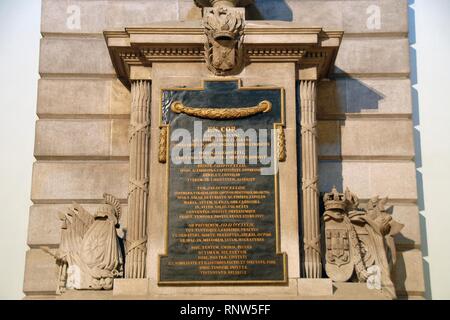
[222, 114]
[136, 244]
[312, 265]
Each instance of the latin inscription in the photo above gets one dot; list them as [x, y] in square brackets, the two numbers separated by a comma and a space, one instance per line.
[223, 215]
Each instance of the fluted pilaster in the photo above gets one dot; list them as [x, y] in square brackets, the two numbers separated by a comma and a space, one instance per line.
[136, 245]
[312, 265]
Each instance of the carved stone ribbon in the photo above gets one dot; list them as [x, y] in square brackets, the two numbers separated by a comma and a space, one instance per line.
[222, 114]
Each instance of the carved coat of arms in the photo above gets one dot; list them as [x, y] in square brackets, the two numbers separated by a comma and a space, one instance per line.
[338, 252]
[357, 241]
[89, 255]
[338, 249]
[224, 29]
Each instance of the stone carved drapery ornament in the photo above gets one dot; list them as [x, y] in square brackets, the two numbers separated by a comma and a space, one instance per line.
[356, 240]
[224, 30]
[136, 236]
[312, 266]
[89, 256]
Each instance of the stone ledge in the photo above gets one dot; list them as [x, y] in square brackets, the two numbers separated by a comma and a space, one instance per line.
[86, 56]
[345, 291]
[130, 287]
[315, 287]
[331, 14]
[262, 292]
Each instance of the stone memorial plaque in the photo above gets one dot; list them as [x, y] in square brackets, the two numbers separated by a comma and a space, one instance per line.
[223, 210]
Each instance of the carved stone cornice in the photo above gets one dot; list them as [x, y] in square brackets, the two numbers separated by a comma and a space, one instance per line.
[185, 42]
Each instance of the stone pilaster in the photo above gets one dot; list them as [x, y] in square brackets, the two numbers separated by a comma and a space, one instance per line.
[136, 245]
[312, 265]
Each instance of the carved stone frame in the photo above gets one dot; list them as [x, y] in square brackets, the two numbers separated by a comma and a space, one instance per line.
[312, 50]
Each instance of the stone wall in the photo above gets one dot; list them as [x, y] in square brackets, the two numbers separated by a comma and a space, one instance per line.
[365, 114]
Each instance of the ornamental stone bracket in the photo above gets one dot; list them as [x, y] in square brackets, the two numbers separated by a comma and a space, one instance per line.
[314, 50]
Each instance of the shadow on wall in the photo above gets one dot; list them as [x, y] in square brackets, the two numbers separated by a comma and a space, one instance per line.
[417, 146]
[348, 95]
[345, 95]
[339, 97]
[269, 10]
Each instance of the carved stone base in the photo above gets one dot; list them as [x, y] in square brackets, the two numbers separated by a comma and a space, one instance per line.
[304, 289]
[130, 287]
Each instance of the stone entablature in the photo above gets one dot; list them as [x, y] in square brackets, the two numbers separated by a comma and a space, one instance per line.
[310, 48]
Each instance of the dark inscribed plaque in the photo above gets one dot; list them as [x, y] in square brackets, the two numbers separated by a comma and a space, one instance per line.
[223, 217]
